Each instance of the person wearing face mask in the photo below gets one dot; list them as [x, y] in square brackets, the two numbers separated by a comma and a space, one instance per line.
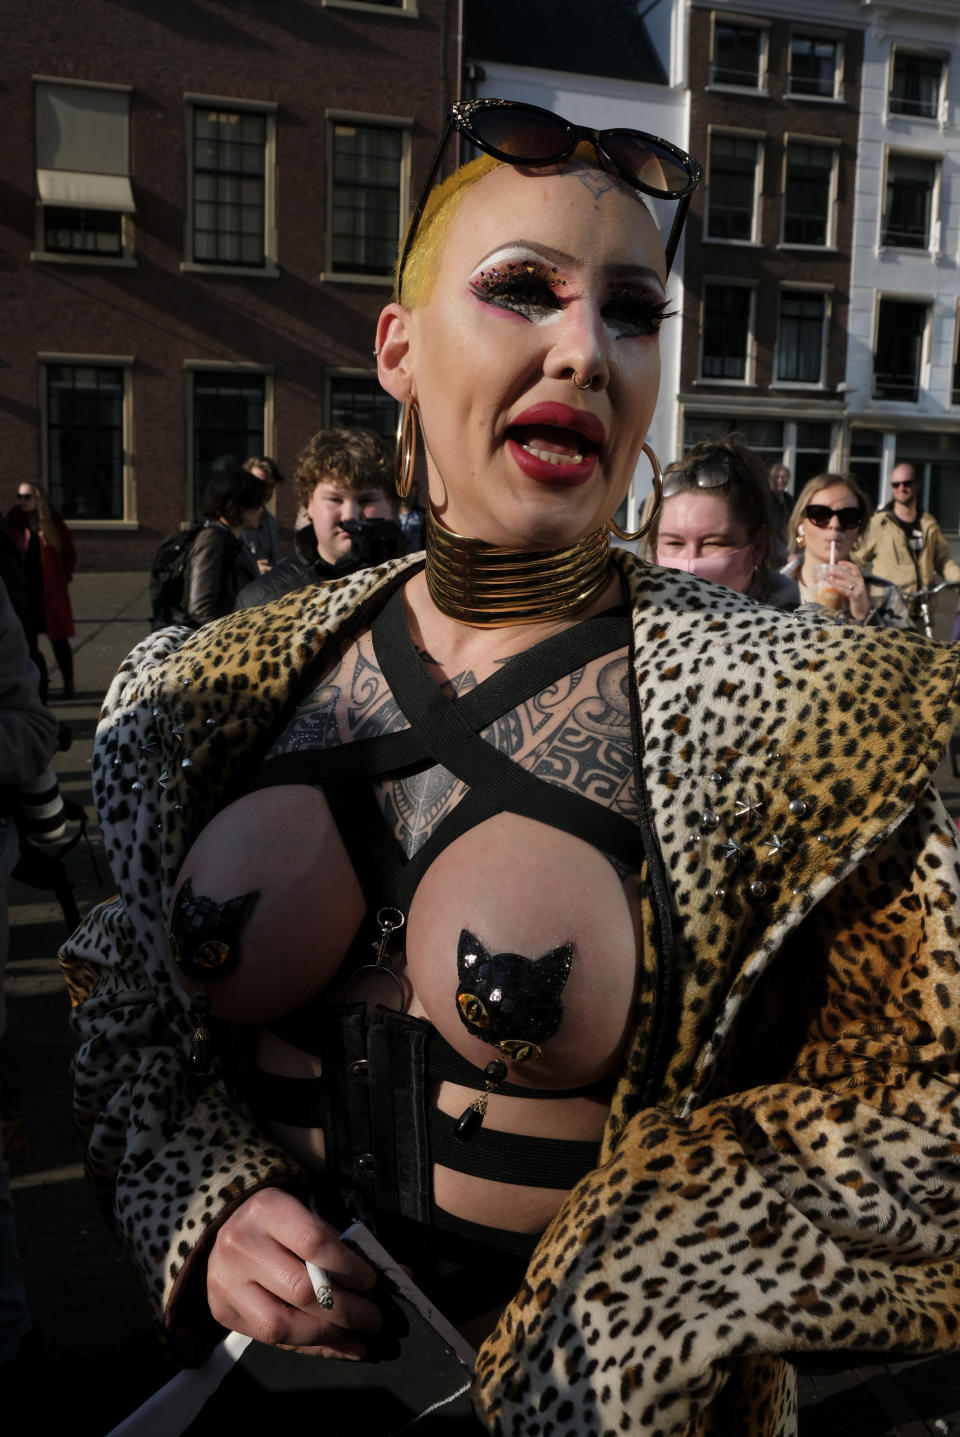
[716, 522]
[826, 527]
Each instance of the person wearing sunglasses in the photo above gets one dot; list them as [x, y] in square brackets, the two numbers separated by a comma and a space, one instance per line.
[521, 896]
[828, 521]
[716, 521]
[905, 544]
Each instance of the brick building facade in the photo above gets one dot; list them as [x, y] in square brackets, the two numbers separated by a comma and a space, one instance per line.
[201, 211]
[774, 114]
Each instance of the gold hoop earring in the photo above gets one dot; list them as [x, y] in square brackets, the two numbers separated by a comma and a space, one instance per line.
[657, 501]
[800, 540]
[405, 452]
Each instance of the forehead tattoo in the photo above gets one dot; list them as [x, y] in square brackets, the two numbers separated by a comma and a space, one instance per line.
[601, 182]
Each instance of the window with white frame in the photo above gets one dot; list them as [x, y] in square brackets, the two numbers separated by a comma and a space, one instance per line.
[866, 459]
[898, 352]
[916, 84]
[231, 149]
[808, 193]
[726, 346]
[228, 419]
[816, 65]
[908, 200]
[85, 404]
[356, 400]
[85, 201]
[733, 186]
[801, 337]
[739, 55]
[367, 195]
[811, 451]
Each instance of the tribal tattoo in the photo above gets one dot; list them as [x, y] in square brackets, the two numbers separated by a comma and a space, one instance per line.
[575, 733]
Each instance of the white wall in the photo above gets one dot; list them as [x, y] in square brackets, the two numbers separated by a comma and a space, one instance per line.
[924, 275]
[604, 104]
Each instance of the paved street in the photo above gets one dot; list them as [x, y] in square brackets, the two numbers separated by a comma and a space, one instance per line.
[80, 1288]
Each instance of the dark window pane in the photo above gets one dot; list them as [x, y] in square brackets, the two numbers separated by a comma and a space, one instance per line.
[365, 198]
[800, 347]
[915, 89]
[733, 187]
[85, 440]
[361, 403]
[72, 231]
[726, 331]
[227, 422]
[813, 66]
[737, 51]
[906, 216]
[229, 187]
[806, 205]
[896, 364]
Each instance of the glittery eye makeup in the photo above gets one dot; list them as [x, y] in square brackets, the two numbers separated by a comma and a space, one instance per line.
[534, 288]
[529, 287]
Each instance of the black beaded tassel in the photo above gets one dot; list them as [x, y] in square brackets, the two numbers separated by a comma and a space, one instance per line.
[470, 1120]
[201, 1047]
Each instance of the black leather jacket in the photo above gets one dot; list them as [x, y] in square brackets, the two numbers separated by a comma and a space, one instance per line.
[219, 567]
[304, 566]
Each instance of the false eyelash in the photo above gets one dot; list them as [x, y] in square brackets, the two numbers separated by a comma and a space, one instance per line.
[639, 308]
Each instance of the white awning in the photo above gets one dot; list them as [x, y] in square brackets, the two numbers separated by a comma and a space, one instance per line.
[80, 191]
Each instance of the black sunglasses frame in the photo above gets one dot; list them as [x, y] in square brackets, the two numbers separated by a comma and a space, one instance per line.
[460, 119]
[848, 510]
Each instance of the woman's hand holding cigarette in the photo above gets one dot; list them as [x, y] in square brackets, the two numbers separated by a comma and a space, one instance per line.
[282, 1276]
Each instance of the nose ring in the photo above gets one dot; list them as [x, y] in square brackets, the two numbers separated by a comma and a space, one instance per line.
[578, 385]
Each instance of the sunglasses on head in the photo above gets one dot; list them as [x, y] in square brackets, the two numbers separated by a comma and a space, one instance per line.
[711, 472]
[820, 516]
[522, 134]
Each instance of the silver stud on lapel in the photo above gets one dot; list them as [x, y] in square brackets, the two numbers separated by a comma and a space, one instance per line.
[709, 821]
[797, 807]
[186, 763]
[177, 729]
[731, 850]
[717, 776]
[136, 786]
[758, 888]
[748, 808]
[822, 838]
[775, 846]
[164, 781]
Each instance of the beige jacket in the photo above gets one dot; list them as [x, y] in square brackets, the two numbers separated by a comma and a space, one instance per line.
[885, 550]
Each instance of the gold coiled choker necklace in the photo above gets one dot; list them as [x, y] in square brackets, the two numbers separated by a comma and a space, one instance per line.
[490, 586]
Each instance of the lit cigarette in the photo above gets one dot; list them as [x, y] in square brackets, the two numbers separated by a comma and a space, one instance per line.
[322, 1285]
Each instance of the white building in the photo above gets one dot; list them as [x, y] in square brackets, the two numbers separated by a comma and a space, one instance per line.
[903, 381]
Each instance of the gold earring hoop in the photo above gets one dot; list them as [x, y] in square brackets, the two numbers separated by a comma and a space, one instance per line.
[578, 385]
[405, 452]
[657, 501]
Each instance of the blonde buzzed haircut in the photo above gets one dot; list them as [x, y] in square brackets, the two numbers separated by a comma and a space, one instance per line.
[441, 209]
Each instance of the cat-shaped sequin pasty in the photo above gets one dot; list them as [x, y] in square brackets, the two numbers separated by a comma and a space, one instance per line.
[508, 1000]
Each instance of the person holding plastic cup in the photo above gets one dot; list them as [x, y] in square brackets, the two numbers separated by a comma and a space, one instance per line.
[830, 516]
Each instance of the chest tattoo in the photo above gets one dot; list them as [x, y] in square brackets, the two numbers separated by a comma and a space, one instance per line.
[575, 733]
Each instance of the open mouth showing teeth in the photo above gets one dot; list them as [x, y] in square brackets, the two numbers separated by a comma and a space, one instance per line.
[553, 446]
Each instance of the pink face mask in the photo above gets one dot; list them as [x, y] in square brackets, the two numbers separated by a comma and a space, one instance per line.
[734, 569]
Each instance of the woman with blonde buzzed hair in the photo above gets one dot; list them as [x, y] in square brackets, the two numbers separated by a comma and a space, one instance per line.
[588, 928]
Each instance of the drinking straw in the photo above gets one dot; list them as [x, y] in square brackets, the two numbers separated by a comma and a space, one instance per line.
[833, 552]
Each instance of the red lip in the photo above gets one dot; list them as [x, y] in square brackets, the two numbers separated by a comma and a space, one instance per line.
[561, 416]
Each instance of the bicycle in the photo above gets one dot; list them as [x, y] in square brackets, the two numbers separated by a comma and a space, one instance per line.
[921, 610]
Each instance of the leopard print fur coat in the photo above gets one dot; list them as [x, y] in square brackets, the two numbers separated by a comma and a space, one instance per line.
[795, 1186]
